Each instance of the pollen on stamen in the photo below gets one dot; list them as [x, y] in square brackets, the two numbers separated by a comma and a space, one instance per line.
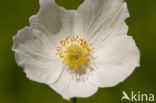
[75, 52]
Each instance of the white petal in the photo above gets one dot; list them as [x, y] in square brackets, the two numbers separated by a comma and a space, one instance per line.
[116, 60]
[35, 52]
[70, 85]
[52, 19]
[97, 19]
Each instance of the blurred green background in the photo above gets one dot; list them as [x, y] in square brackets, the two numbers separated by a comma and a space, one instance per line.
[16, 88]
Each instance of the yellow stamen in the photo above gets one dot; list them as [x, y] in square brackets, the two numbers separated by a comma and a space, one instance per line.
[75, 52]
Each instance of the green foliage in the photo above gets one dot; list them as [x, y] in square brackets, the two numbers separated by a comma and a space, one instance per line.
[69, 4]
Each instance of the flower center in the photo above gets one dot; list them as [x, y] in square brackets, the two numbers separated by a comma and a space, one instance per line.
[75, 52]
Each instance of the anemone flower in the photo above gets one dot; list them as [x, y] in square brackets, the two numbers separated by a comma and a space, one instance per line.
[77, 51]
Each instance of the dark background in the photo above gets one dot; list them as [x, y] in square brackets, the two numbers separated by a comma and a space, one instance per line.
[16, 88]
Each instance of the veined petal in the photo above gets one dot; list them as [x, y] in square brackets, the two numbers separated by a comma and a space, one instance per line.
[52, 19]
[76, 85]
[97, 19]
[116, 60]
[34, 51]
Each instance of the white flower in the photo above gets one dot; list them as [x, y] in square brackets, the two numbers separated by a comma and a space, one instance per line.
[75, 52]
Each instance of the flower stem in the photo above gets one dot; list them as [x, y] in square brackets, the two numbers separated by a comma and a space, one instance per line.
[74, 100]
